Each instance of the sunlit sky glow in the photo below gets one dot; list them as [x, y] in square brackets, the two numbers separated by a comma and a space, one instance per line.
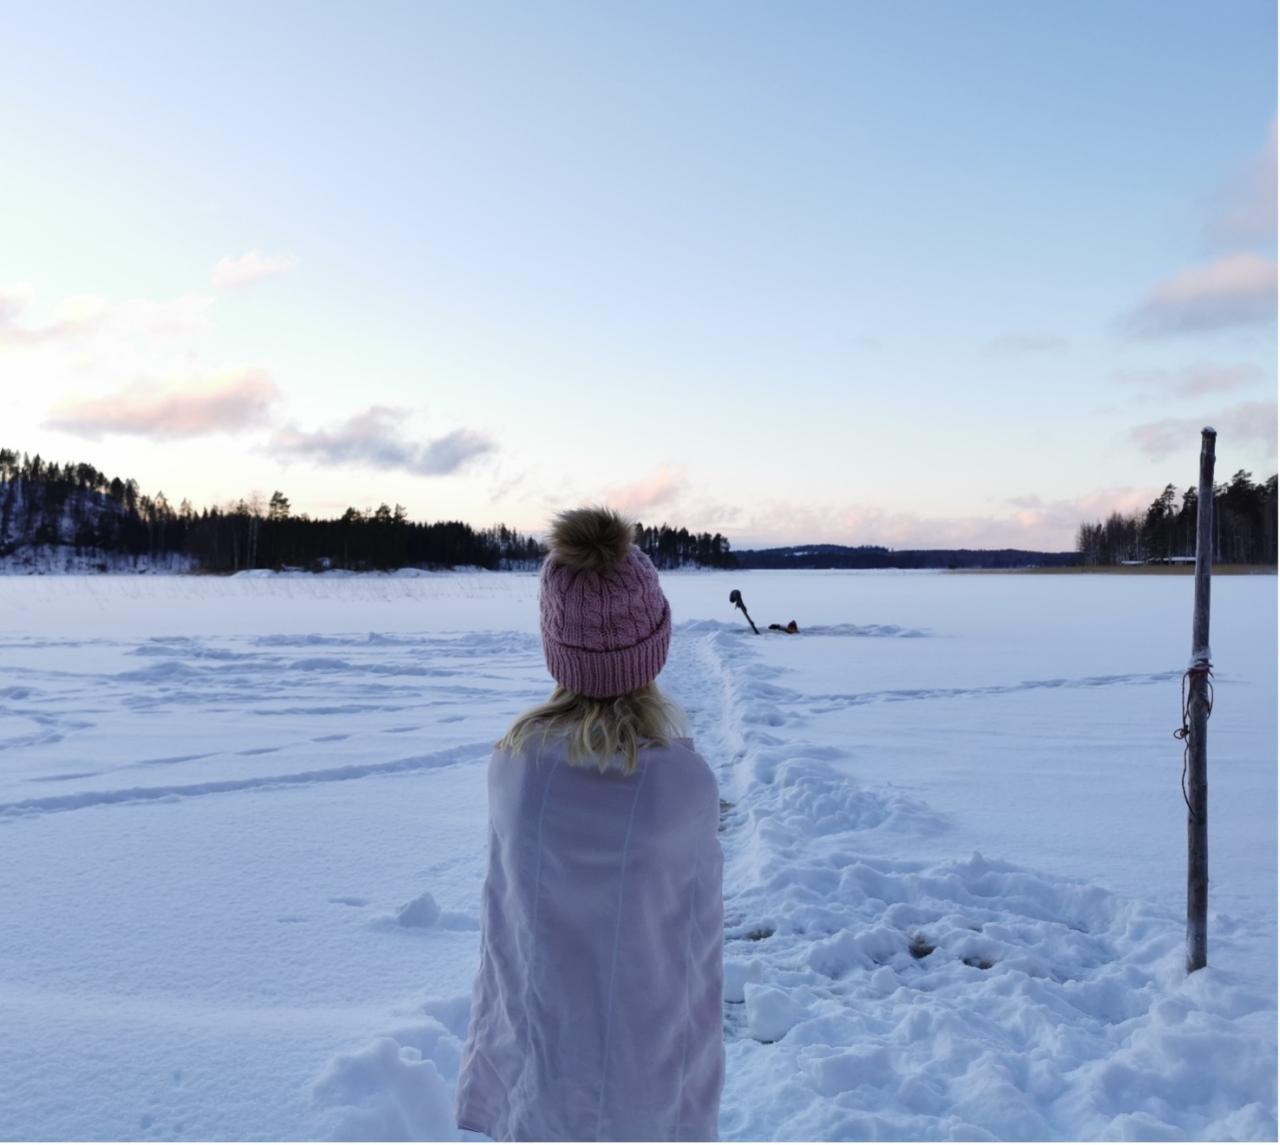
[898, 273]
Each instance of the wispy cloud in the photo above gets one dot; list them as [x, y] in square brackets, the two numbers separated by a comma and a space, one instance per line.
[81, 315]
[1248, 422]
[373, 439]
[73, 316]
[1242, 212]
[658, 489]
[1193, 380]
[1028, 524]
[1235, 290]
[452, 451]
[14, 300]
[223, 402]
[1021, 343]
[253, 266]
[503, 485]
[1063, 515]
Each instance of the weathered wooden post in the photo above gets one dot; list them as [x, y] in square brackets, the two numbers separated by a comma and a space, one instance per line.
[1196, 718]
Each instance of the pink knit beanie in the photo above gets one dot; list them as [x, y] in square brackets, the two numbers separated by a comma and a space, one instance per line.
[606, 623]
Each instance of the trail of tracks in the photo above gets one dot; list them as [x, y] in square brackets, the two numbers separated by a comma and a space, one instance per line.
[868, 992]
[463, 753]
[968, 998]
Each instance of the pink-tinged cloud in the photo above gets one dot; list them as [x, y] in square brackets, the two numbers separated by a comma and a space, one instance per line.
[1021, 343]
[80, 315]
[651, 492]
[1194, 380]
[373, 440]
[253, 266]
[1236, 290]
[711, 516]
[13, 301]
[1248, 423]
[1023, 522]
[1062, 516]
[1040, 527]
[1244, 211]
[225, 402]
[74, 316]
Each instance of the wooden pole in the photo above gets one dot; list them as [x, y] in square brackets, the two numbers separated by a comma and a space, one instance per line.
[1198, 710]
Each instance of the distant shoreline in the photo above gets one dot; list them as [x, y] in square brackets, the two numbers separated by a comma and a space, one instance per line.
[410, 572]
[1134, 570]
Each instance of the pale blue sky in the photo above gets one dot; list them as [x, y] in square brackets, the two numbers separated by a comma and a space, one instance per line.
[900, 273]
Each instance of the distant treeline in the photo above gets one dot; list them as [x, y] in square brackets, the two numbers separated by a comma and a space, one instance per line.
[1244, 527]
[674, 548]
[46, 504]
[76, 505]
[243, 536]
[878, 557]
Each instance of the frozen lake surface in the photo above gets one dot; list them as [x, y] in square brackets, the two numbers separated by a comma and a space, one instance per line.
[242, 837]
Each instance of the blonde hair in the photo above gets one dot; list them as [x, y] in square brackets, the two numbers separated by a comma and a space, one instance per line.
[599, 730]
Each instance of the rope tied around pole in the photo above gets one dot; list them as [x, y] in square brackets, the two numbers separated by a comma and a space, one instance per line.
[1184, 733]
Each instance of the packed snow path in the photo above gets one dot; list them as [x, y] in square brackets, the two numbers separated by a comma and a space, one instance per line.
[879, 997]
[244, 866]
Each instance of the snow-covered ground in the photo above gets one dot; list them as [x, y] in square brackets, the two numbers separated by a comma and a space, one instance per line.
[242, 837]
[45, 560]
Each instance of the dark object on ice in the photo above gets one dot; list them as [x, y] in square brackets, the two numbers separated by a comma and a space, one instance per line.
[790, 627]
[735, 597]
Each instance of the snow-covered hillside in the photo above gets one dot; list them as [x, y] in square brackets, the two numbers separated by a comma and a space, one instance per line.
[78, 532]
[242, 836]
[55, 560]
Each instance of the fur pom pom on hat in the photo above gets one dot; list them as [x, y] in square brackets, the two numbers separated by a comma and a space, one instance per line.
[606, 623]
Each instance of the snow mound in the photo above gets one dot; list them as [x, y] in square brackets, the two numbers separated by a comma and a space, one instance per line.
[771, 1012]
[420, 912]
[400, 1085]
